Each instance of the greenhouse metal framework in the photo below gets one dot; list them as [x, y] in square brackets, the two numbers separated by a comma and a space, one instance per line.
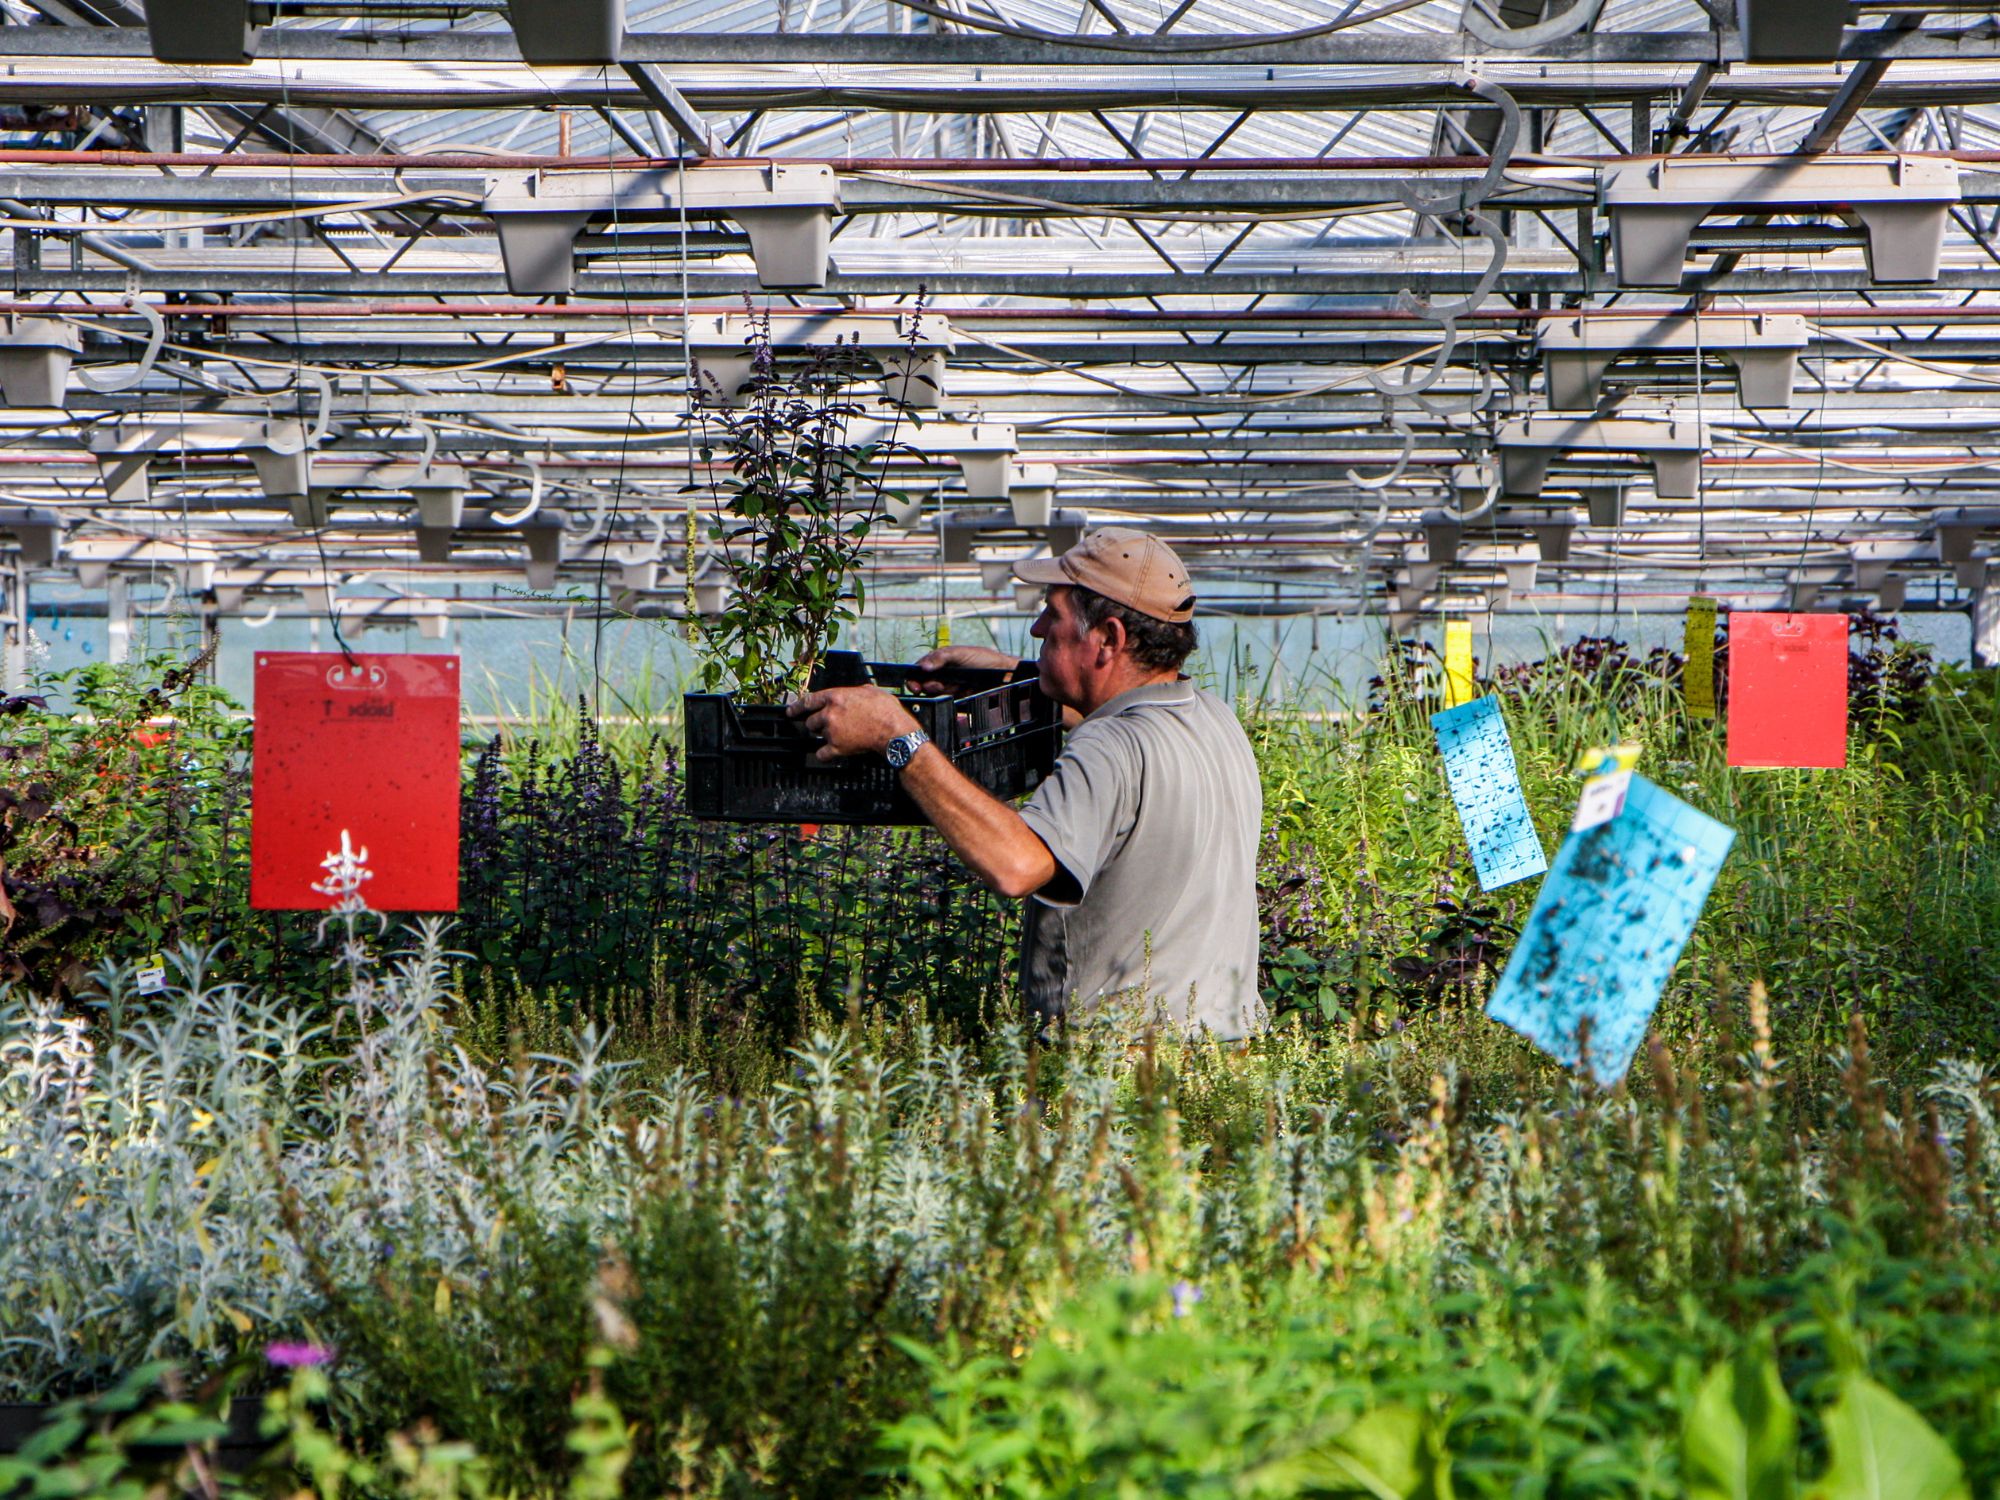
[1391, 308]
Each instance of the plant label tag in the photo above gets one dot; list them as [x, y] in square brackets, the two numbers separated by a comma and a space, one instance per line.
[1787, 690]
[354, 782]
[1457, 662]
[1486, 787]
[1608, 777]
[1607, 928]
[1698, 651]
[1602, 800]
[151, 976]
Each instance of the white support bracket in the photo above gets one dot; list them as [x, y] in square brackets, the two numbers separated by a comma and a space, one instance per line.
[95, 557]
[959, 531]
[544, 538]
[438, 489]
[1441, 537]
[1901, 202]
[912, 348]
[1604, 504]
[1528, 445]
[1873, 565]
[36, 529]
[277, 446]
[35, 357]
[1551, 527]
[1033, 496]
[1957, 530]
[1763, 349]
[786, 210]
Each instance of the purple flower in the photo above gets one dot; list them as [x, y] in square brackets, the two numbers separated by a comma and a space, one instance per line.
[1186, 1294]
[297, 1356]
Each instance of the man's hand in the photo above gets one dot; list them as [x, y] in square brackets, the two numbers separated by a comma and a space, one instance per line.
[945, 658]
[852, 720]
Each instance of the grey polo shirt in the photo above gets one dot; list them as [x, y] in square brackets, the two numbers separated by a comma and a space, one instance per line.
[1153, 812]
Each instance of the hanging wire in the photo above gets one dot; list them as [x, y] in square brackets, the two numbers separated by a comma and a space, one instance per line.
[298, 348]
[1819, 478]
[631, 409]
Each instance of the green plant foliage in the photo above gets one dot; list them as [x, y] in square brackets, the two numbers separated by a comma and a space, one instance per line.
[120, 825]
[1319, 1261]
[793, 491]
[1741, 1440]
[1130, 1394]
[707, 1161]
[1882, 1450]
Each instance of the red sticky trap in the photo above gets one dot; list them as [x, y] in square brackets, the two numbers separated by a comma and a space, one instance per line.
[354, 782]
[1787, 690]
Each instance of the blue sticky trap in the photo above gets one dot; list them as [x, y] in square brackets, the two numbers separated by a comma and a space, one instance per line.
[1608, 927]
[1479, 765]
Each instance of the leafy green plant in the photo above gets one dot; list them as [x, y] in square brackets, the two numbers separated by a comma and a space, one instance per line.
[120, 825]
[796, 476]
[1741, 1441]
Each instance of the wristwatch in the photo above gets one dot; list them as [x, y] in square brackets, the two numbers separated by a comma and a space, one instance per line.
[904, 747]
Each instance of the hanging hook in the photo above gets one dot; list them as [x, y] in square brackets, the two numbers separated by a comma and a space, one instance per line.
[1375, 526]
[1417, 384]
[1402, 459]
[156, 337]
[308, 437]
[323, 419]
[526, 512]
[1473, 404]
[430, 442]
[173, 583]
[1423, 307]
[1466, 198]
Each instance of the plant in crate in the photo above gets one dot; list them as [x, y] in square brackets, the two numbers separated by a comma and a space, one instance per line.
[791, 502]
[793, 474]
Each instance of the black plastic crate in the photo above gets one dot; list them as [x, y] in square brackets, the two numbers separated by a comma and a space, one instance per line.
[752, 763]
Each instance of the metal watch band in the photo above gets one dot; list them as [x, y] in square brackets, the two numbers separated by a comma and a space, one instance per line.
[903, 748]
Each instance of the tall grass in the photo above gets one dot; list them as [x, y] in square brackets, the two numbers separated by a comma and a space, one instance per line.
[1877, 886]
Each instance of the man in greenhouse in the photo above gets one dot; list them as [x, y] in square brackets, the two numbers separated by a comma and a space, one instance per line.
[1138, 853]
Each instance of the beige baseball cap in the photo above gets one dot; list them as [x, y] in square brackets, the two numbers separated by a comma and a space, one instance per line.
[1130, 567]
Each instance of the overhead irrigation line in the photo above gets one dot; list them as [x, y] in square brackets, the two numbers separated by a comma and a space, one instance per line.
[1253, 403]
[1883, 352]
[230, 221]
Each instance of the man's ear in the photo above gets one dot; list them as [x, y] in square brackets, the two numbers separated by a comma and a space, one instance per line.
[1113, 631]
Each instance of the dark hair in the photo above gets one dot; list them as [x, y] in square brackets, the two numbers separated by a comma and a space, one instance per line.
[1159, 645]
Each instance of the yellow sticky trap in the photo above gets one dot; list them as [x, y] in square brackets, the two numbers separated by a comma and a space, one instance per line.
[1698, 647]
[1604, 760]
[943, 634]
[1457, 663]
[690, 565]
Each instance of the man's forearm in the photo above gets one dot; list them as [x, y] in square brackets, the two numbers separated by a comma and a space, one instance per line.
[988, 835]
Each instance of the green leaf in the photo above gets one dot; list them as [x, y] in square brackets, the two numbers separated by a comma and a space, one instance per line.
[1390, 1453]
[1741, 1437]
[1883, 1450]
